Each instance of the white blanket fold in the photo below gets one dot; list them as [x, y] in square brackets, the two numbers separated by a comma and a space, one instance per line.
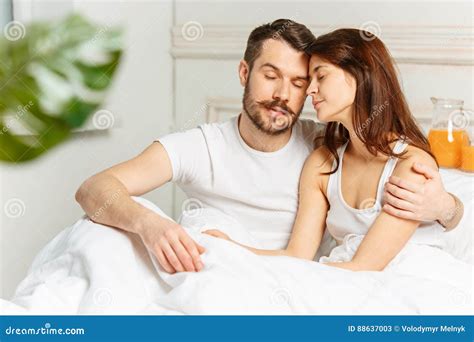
[93, 269]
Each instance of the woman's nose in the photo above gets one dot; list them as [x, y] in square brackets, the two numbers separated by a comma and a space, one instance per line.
[312, 88]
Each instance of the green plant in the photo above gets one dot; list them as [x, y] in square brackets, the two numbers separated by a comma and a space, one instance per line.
[52, 79]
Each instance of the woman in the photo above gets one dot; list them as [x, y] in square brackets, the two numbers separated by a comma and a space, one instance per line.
[370, 135]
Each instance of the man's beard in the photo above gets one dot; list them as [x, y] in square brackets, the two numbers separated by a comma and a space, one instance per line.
[275, 126]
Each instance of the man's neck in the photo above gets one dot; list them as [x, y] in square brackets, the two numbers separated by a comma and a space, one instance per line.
[259, 140]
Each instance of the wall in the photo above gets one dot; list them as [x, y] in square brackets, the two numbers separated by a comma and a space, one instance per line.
[180, 70]
[38, 198]
[432, 42]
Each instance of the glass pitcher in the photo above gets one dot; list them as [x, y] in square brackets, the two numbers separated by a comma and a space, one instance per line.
[447, 135]
[467, 162]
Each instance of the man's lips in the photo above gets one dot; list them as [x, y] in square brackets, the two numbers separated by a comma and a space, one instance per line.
[277, 111]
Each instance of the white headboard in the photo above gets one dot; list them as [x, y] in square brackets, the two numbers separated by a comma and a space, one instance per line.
[432, 43]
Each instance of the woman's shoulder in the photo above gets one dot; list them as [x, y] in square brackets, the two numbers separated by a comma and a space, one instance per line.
[321, 159]
[417, 154]
[413, 155]
[315, 169]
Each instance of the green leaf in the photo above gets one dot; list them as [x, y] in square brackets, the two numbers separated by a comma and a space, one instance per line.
[52, 80]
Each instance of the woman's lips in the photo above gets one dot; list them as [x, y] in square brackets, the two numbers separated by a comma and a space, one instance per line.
[317, 104]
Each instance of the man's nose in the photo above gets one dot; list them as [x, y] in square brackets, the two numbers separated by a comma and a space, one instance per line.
[282, 93]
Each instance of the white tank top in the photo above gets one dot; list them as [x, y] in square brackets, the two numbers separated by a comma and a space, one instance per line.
[344, 221]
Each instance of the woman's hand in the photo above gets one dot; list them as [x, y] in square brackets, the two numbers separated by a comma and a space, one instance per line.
[217, 233]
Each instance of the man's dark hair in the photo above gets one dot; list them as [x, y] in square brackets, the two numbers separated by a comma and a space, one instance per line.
[298, 36]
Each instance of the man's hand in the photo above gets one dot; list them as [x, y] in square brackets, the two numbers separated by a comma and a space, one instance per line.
[172, 246]
[427, 202]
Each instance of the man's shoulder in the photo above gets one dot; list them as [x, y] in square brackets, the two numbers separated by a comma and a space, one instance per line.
[310, 129]
[219, 125]
[221, 132]
[311, 125]
[200, 131]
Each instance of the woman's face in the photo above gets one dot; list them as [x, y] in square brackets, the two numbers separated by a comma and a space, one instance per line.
[332, 90]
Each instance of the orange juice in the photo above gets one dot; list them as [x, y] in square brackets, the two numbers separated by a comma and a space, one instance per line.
[448, 153]
[467, 158]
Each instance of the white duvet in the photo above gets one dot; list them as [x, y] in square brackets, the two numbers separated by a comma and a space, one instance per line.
[92, 269]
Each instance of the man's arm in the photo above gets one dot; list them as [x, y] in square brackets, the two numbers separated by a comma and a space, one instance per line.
[388, 234]
[423, 202]
[106, 199]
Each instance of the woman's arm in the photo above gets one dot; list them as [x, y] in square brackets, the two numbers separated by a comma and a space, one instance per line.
[312, 210]
[269, 252]
[389, 234]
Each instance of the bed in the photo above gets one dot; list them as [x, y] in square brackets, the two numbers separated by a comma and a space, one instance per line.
[93, 269]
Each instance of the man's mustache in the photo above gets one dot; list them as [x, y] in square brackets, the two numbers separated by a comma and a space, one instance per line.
[276, 103]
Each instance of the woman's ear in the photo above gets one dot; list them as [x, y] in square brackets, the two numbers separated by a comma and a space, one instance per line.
[243, 72]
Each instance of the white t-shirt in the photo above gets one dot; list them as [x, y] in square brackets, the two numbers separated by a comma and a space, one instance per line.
[213, 164]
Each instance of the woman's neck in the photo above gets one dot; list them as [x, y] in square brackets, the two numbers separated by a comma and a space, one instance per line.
[358, 148]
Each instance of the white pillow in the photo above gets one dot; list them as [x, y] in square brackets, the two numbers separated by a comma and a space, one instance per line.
[459, 241]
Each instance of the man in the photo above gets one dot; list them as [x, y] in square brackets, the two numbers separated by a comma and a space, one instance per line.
[248, 167]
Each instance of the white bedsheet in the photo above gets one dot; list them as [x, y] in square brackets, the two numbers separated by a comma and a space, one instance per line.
[92, 269]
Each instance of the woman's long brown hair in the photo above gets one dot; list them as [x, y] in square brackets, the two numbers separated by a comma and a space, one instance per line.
[380, 108]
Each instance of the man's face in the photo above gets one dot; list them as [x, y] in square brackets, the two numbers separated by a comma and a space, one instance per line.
[275, 88]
